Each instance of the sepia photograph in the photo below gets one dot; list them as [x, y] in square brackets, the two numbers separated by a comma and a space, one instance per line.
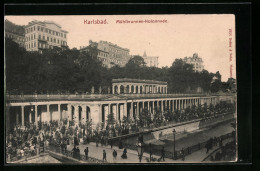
[114, 89]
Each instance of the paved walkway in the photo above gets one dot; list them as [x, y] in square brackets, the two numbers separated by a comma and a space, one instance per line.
[132, 155]
[97, 152]
[198, 156]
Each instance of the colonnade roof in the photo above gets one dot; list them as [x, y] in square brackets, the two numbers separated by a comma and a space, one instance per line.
[129, 80]
[96, 97]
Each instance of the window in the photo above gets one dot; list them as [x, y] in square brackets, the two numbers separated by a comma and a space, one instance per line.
[47, 38]
[34, 44]
[42, 29]
[51, 39]
[54, 40]
[65, 35]
[38, 28]
[58, 40]
[34, 36]
[33, 28]
[29, 45]
[46, 30]
[53, 32]
[43, 37]
[39, 36]
[50, 31]
[61, 35]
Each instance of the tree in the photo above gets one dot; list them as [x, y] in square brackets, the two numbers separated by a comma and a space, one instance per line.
[111, 119]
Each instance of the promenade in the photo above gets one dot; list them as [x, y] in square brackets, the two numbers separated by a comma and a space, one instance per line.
[132, 155]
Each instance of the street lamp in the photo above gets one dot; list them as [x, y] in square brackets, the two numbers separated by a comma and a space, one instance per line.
[150, 147]
[140, 151]
[174, 132]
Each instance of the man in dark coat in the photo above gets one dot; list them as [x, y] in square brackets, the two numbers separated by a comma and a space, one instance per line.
[74, 151]
[86, 153]
[114, 155]
[162, 154]
[104, 155]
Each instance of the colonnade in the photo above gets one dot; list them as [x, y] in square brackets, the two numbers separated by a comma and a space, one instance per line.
[133, 88]
[97, 111]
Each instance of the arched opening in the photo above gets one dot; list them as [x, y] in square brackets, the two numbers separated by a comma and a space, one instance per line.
[80, 113]
[161, 90]
[72, 112]
[136, 89]
[121, 89]
[116, 89]
[103, 114]
[141, 89]
[132, 89]
[165, 90]
[127, 89]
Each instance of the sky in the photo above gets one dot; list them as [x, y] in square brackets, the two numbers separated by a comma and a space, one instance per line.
[180, 36]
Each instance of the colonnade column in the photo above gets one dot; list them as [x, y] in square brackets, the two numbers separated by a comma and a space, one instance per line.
[69, 112]
[132, 110]
[172, 105]
[162, 106]
[83, 114]
[17, 118]
[137, 111]
[76, 114]
[125, 109]
[60, 115]
[154, 107]
[116, 114]
[22, 117]
[148, 106]
[100, 113]
[30, 116]
[36, 115]
[48, 110]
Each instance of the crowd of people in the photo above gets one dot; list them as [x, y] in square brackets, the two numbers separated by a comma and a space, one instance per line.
[30, 140]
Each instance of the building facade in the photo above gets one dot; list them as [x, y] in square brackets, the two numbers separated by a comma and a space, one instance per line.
[196, 61]
[110, 54]
[40, 35]
[150, 61]
[15, 32]
[136, 86]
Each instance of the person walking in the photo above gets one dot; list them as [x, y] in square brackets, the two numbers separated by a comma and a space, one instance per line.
[182, 154]
[162, 154]
[86, 153]
[104, 156]
[74, 151]
[124, 156]
[114, 155]
[111, 143]
[78, 153]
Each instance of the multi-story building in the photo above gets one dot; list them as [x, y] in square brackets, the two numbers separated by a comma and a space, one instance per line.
[150, 61]
[15, 32]
[40, 35]
[110, 54]
[196, 61]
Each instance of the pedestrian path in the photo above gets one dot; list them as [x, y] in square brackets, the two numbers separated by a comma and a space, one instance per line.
[198, 156]
[97, 152]
[132, 155]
